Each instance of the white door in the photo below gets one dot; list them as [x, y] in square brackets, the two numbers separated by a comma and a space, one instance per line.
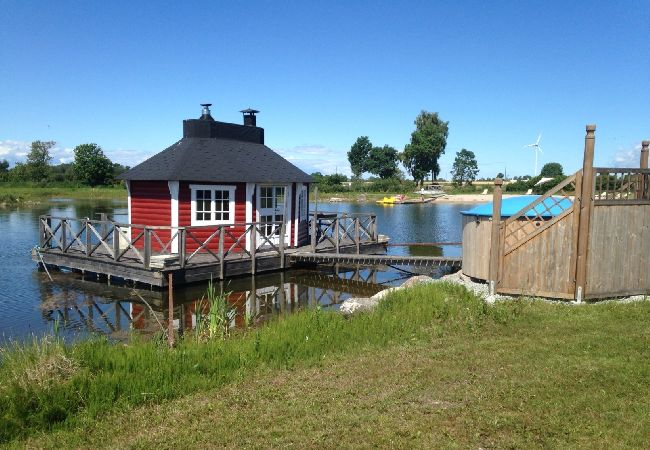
[271, 207]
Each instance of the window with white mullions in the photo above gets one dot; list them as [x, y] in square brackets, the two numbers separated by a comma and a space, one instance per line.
[213, 204]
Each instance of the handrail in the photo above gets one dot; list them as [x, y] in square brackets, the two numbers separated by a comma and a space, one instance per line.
[141, 244]
[621, 185]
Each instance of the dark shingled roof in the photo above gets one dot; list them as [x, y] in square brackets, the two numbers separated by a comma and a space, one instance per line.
[217, 160]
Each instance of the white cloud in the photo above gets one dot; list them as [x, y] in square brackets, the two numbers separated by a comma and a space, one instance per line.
[128, 157]
[627, 157]
[14, 151]
[317, 158]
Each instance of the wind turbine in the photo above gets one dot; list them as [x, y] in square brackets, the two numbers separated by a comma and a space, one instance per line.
[536, 147]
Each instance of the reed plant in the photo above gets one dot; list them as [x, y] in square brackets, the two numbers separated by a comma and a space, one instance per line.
[85, 380]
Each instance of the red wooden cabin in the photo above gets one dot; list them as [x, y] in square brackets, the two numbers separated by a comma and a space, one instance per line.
[219, 174]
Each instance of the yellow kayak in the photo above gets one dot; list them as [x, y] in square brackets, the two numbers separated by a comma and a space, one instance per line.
[390, 200]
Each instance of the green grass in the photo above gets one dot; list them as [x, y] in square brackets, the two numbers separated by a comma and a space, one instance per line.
[432, 366]
[16, 194]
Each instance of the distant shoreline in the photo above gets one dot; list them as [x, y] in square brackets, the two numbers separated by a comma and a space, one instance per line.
[371, 198]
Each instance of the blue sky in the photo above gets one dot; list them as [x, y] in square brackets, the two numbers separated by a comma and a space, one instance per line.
[125, 75]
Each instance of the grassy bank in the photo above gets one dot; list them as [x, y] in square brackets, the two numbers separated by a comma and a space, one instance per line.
[433, 366]
[11, 194]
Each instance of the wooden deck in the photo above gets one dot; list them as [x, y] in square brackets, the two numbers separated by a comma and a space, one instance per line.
[104, 248]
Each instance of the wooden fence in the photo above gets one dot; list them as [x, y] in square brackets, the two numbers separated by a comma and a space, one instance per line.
[331, 231]
[589, 237]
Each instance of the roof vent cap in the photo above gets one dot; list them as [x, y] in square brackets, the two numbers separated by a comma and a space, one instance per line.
[249, 116]
[205, 112]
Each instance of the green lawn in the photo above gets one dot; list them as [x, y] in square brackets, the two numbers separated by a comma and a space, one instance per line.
[432, 367]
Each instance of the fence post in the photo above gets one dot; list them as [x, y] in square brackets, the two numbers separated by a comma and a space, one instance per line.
[283, 229]
[116, 241]
[357, 235]
[253, 247]
[337, 229]
[314, 240]
[147, 248]
[373, 228]
[222, 259]
[170, 310]
[41, 232]
[88, 237]
[313, 232]
[181, 247]
[64, 235]
[586, 202]
[645, 180]
[495, 241]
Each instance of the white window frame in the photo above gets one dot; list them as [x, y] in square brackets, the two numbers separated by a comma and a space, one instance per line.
[213, 188]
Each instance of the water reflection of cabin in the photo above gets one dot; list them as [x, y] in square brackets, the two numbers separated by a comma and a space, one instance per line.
[218, 174]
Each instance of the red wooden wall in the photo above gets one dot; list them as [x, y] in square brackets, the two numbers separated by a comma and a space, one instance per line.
[151, 206]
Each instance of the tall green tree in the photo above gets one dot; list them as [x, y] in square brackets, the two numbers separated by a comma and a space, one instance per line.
[465, 167]
[358, 155]
[38, 160]
[4, 170]
[91, 166]
[552, 170]
[428, 142]
[382, 161]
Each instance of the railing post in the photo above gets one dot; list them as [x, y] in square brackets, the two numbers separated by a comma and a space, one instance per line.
[313, 232]
[373, 227]
[253, 248]
[222, 260]
[357, 235]
[147, 247]
[314, 237]
[116, 241]
[181, 246]
[64, 235]
[337, 236]
[88, 236]
[645, 179]
[41, 232]
[283, 230]
[495, 241]
[585, 203]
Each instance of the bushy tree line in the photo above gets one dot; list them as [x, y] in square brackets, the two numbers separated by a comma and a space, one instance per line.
[90, 166]
[551, 170]
[420, 156]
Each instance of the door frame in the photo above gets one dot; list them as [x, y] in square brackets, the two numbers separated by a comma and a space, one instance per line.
[286, 211]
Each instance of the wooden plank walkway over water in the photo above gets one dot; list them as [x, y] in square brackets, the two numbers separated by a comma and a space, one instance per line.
[371, 260]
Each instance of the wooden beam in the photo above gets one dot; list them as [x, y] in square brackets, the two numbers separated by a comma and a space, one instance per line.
[495, 241]
[170, 309]
[585, 202]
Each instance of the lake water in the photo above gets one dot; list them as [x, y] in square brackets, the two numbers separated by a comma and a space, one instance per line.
[31, 304]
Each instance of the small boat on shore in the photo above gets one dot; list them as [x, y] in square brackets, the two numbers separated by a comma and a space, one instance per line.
[431, 190]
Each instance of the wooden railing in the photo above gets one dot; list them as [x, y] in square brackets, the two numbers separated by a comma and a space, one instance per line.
[331, 231]
[159, 246]
[615, 186]
[155, 245]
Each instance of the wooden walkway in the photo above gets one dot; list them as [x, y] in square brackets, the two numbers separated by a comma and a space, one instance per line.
[373, 260]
